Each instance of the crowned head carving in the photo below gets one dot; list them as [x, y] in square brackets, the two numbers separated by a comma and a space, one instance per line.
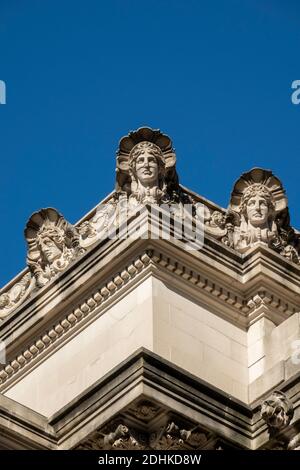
[146, 166]
[257, 208]
[52, 244]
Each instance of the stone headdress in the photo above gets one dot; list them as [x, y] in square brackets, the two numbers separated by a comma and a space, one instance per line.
[279, 235]
[131, 146]
[49, 223]
[258, 181]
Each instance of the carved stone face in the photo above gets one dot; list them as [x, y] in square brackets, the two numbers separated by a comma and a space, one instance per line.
[257, 210]
[277, 411]
[146, 168]
[49, 249]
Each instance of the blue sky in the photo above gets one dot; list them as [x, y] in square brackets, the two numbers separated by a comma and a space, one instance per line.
[214, 75]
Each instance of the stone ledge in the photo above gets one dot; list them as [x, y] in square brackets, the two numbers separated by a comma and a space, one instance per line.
[146, 375]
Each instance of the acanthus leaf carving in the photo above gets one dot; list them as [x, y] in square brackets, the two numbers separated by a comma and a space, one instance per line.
[215, 224]
[16, 295]
[107, 218]
[144, 410]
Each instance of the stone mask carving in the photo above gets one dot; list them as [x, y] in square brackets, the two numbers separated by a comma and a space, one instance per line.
[257, 206]
[147, 170]
[258, 213]
[257, 217]
[145, 174]
[52, 244]
[277, 411]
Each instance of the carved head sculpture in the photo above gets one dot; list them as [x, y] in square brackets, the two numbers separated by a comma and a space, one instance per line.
[147, 163]
[257, 205]
[52, 244]
[146, 166]
[277, 411]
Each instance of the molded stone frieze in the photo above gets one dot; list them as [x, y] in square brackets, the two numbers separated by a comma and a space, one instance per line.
[215, 224]
[94, 442]
[120, 438]
[144, 410]
[258, 213]
[106, 219]
[52, 244]
[16, 295]
[277, 411]
[172, 437]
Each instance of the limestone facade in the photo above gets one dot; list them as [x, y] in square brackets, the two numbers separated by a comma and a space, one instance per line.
[158, 321]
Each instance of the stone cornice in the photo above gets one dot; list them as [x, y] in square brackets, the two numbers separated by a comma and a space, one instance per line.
[143, 375]
[92, 283]
[89, 215]
[72, 323]
[221, 261]
[22, 428]
[150, 262]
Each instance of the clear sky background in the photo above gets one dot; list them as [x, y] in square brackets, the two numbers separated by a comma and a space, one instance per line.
[214, 75]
